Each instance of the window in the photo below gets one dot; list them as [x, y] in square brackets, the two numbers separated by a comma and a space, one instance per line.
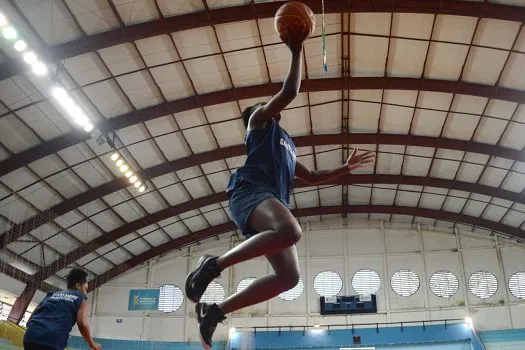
[483, 284]
[170, 298]
[293, 293]
[405, 282]
[328, 283]
[23, 321]
[245, 283]
[213, 294]
[517, 285]
[366, 282]
[444, 284]
[4, 311]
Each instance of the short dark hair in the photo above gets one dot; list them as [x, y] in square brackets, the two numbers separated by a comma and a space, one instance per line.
[247, 113]
[75, 276]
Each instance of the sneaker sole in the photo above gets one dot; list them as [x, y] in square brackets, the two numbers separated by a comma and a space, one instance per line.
[187, 286]
[204, 345]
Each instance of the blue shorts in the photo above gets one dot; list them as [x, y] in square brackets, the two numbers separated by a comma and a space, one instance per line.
[243, 200]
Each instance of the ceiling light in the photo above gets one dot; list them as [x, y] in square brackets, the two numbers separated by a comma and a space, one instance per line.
[59, 93]
[133, 179]
[129, 173]
[114, 156]
[78, 115]
[3, 20]
[469, 323]
[30, 57]
[9, 33]
[316, 325]
[20, 45]
[119, 162]
[124, 168]
[137, 184]
[88, 127]
[231, 332]
[39, 68]
[142, 188]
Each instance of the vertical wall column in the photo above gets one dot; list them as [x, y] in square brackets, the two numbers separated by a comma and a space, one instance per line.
[22, 303]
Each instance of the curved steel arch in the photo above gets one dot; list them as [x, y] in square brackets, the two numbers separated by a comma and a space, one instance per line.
[267, 10]
[220, 197]
[377, 209]
[313, 85]
[46, 216]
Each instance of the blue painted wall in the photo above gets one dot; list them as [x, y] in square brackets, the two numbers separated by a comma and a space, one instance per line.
[384, 337]
[113, 344]
[512, 339]
[438, 337]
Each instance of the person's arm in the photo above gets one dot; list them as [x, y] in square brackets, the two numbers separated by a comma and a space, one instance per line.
[290, 87]
[316, 177]
[83, 325]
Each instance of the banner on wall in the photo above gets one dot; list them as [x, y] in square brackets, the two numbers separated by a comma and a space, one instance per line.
[143, 299]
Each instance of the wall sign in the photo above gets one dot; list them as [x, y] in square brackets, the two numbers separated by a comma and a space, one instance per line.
[143, 299]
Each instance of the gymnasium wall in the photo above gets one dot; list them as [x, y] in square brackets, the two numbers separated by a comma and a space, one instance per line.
[330, 246]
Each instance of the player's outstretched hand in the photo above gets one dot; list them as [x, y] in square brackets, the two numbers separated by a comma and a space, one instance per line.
[360, 160]
[296, 35]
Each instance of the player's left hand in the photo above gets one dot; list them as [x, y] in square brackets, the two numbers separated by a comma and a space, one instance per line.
[360, 160]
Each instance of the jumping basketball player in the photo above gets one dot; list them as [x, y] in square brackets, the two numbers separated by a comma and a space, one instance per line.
[259, 194]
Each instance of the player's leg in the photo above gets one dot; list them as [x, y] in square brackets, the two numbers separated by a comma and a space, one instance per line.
[278, 233]
[277, 229]
[285, 265]
[286, 275]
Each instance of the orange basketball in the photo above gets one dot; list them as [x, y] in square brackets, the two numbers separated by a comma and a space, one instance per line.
[294, 13]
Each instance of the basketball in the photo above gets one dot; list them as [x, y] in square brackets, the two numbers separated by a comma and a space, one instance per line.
[294, 13]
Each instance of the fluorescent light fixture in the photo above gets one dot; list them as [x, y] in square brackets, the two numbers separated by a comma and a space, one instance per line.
[88, 127]
[115, 156]
[133, 179]
[124, 168]
[20, 45]
[142, 189]
[39, 68]
[3, 20]
[30, 57]
[9, 33]
[137, 184]
[129, 173]
[59, 93]
[78, 115]
[119, 162]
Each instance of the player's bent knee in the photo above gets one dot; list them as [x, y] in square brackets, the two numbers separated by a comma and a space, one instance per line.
[289, 280]
[290, 231]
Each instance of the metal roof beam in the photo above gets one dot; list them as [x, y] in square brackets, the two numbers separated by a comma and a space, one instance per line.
[267, 10]
[42, 218]
[377, 209]
[313, 85]
[220, 197]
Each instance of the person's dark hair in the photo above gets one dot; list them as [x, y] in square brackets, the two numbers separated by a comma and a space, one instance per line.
[247, 113]
[75, 276]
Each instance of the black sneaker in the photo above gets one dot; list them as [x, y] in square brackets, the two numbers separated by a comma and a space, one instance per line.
[197, 281]
[208, 316]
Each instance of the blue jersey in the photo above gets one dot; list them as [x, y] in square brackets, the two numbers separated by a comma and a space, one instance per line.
[54, 318]
[270, 162]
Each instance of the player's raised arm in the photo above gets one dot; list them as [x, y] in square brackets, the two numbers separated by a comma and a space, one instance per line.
[291, 84]
[315, 177]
